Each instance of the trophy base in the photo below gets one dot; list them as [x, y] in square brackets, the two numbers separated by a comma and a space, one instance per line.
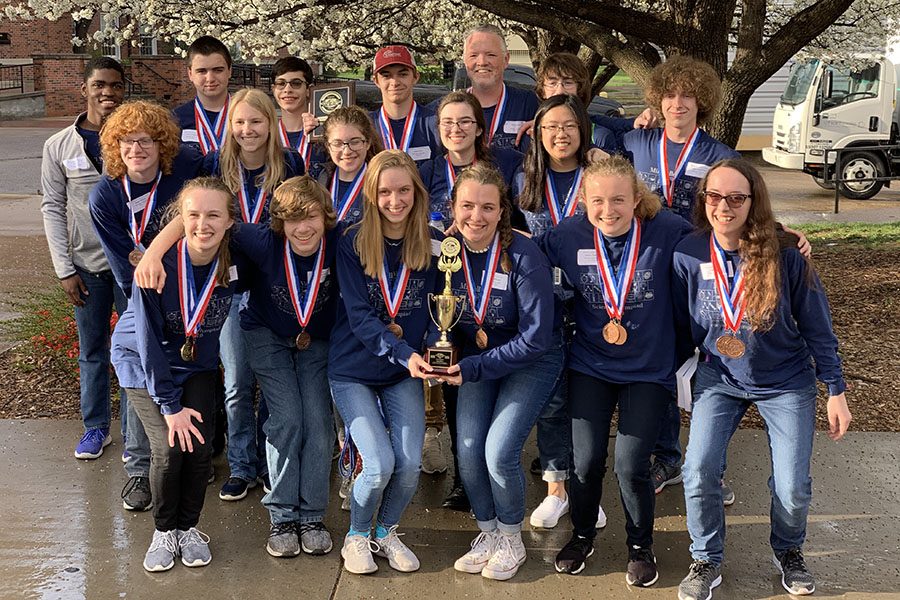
[441, 359]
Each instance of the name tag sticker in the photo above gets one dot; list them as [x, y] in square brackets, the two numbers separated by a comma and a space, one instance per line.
[706, 271]
[512, 126]
[325, 272]
[697, 170]
[420, 153]
[189, 135]
[232, 273]
[501, 281]
[79, 163]
[138, 204]
[587, 257]
[435, 247]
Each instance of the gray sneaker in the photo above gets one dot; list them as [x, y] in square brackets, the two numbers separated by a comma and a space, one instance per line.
[727, 494]
[795, 577]
[283, 540]
[700, 581]
[314, 538]
[161, 554]
[662, 475]
[194, 547]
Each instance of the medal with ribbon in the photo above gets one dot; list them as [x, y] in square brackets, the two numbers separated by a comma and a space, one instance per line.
[497, 119]
[138, 228]
[303, 305]
[479, 302]
[393, 295]
[250, 214]
[557, 212]
[343, 205]
[304, 148]
[387, 134]
[668, 183]
[617, 284]
[193, 307]
[210, 136]
[732, 301]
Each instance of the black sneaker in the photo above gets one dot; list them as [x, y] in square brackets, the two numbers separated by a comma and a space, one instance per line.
[795, 577]
[456, 499]
[572, 556]
[641, 570]
[700, 581]
[662, 475]
[535, 467]
[136, 494]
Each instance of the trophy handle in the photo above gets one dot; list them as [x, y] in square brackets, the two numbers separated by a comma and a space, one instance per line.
[430, 311]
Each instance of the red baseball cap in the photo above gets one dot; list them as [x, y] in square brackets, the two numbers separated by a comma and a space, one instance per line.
[393, 55]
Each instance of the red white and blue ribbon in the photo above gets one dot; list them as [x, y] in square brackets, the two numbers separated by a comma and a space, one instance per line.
[732, 298]
[303, 303]
[387, 134]
[479, 303]
[497, 119]
[557, 212]
[617, 284]
[393, 295]
[451, 173]
[210, 136]
[343, 205]
[193, 307]
[668, 183]
[137, 229]
[250, 213]
[304, 148]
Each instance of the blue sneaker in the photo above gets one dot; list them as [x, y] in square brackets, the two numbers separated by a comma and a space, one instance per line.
[236, 489]
[93, 442]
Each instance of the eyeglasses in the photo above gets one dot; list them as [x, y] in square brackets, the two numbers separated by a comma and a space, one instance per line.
[354, 144]
[565, 83]
[733, 200]
[464, 124]
[566, 128]
[144, 143]
[295, 84]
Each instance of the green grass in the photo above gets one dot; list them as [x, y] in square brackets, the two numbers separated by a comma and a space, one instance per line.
[863, 234]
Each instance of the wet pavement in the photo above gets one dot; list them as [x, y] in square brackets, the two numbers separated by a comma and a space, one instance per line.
[65, 533]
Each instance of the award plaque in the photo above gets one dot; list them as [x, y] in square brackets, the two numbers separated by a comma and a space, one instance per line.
[325, 98]
[442, 355]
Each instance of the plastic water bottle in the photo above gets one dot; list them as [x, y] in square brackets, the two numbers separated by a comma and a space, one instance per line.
[436, 220]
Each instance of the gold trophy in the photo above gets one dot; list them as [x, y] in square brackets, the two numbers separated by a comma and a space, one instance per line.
[443, 353]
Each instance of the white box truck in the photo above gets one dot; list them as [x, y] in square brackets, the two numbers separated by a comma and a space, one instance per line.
[850, 113]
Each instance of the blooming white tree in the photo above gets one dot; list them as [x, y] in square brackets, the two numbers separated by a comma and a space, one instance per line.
[746, 41]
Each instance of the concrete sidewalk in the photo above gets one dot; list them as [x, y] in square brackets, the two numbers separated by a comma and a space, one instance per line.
[65, 534]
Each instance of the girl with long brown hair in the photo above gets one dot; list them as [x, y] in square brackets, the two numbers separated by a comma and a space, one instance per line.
[759, 315]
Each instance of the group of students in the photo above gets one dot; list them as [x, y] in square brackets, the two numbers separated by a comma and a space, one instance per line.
[307, 267]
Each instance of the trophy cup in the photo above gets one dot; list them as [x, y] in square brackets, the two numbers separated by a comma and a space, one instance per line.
[443, 354]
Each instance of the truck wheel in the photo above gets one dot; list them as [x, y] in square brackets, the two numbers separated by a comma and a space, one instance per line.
[825, 185]
[860, 165]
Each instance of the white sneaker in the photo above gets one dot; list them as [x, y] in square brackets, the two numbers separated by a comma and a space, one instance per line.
[483, 548]
[549, 511]
[357, 555]
[601, 518]
[506, 560]
[433, 460]
[399, 556]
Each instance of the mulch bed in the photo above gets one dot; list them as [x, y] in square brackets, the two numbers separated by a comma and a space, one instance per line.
[863, 287]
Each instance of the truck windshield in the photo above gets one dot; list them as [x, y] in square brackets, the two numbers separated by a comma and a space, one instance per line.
[798, 85]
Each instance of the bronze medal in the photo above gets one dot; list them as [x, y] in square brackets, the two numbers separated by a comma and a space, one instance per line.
[395, 329]
[623, 334]
[188, 352]
[481, 338]
[611, 333]
[730, 346]
[134, 257]
[302, 341]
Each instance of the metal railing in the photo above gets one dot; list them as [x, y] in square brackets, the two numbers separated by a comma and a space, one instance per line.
[250, 75]
[12, 77]
[887, 150]
[133, 88]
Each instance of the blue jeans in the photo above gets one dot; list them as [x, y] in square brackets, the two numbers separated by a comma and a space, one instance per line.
[554, 435]
[299, 430]
[640, 405]
[668, 446]
[493, 420]
[246, 452]
[92, 321]
[390, 445]
[790, 424]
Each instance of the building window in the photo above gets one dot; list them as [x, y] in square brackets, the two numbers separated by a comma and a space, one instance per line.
[147, 43]
[110, 48]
